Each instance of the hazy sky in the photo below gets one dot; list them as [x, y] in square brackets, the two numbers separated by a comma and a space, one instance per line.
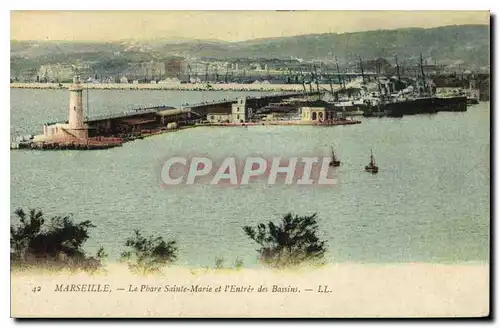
[223, 25]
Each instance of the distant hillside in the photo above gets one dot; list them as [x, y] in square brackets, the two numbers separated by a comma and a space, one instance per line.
[467, 43]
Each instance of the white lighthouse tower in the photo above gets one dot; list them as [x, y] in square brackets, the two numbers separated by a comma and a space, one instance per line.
[76, 125]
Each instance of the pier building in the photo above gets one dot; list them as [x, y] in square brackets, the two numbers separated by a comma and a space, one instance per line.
[317, 114]
[239, 111]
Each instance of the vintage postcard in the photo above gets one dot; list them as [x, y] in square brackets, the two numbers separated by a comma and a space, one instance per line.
[250, 164]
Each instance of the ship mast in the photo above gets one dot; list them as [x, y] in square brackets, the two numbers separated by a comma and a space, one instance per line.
[311, 76]
[316, 76]
[206, 73]
[397, 68]
[331, 86]
[378, 80]
[422, 73]
[362, 71]
[195, 72]
[341, 79]
[303, 81]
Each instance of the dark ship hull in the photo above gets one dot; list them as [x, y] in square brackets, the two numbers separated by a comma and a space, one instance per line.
[472, 101]
[452, 104]
[376, 112]
[428, 105]
[335, 163]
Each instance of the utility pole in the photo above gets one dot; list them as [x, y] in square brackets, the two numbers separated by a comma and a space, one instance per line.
[88, 104]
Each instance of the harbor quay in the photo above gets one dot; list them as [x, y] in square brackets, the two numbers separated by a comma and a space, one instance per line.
[173, 86]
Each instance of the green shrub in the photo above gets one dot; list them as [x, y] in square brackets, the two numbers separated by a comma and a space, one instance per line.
[148, 255]
[293, 242]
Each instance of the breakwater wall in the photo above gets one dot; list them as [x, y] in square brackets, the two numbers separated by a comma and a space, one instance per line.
[180, 87]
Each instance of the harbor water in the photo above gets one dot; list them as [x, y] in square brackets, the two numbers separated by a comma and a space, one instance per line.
[430, 201]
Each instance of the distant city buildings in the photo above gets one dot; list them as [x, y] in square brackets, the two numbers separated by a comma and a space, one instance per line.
[55, 73]
[122, 69]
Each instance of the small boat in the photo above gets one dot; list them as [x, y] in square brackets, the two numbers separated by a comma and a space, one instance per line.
[334, 161]
[371, 167]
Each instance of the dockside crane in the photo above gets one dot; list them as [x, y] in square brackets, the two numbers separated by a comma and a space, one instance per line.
[323, 73]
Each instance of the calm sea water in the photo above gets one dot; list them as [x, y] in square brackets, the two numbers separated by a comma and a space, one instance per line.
[429, 202]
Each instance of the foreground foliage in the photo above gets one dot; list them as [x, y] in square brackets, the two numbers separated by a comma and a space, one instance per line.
[292, 242]
[56, 243]
[150, 254]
